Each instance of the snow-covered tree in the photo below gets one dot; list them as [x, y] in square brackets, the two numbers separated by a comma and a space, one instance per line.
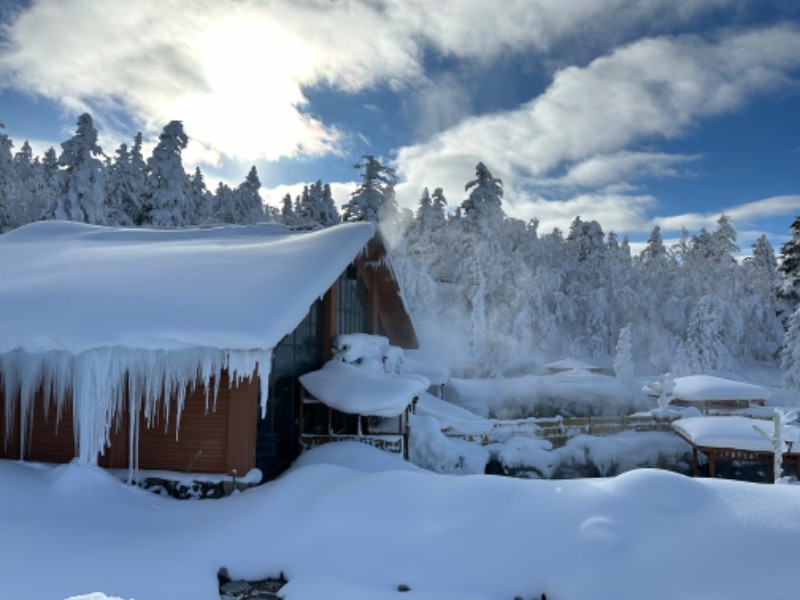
[201, 197]
[708, 342]
[757, 299]
[790, 267]
[7, 177]
[328, 215]
[167, 190]
[80, 194]
[124, 190]
[654, 251]
[623, 363]
[483, 207]
[373, 200]
[224, 210]
[287, 211]
[248, 206]
[790, 356]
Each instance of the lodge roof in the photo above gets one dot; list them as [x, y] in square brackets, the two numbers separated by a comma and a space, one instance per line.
[73, 287]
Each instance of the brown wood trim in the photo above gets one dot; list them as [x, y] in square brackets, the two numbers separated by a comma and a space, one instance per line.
[330, 304]
[384, 291]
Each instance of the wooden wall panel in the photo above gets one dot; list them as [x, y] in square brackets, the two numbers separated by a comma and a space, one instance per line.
[50, 439]
[242, 426]
[202, 443]
[9, 444]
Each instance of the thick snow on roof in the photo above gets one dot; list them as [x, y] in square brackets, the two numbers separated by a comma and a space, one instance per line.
[361, 391]
[732, 432]
[75, 287]
[697, 388]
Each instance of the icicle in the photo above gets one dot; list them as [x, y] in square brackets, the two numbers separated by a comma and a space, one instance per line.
[100, 381]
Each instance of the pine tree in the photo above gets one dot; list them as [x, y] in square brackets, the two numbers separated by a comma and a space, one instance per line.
[124, 190]
[248, 206]
[287, 211]
[483, 208]
[80, 194]
[790, 267]
[328, 215]
[374, 197]
[758, 301]
[707, 344]
[167, 191]
[224, 209]
[7, 178]
[790, 356]
[655, 250]
[623, 364]
[201, 198]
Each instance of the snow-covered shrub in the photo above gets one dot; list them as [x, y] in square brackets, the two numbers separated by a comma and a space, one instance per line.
[430, 449]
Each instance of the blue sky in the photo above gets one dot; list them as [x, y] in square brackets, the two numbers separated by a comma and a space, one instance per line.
[632, 112]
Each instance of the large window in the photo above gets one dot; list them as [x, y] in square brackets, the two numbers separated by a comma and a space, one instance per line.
[353, 310]
[299, 352]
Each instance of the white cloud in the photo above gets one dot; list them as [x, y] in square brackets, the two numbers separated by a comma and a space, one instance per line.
[591, 119]
[742, 214]
[235, 72]
[625, 166]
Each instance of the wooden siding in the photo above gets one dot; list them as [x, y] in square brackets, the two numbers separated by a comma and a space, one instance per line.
[213, 441]
[386, 302]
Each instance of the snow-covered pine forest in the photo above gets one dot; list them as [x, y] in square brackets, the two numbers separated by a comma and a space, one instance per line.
[503, 293]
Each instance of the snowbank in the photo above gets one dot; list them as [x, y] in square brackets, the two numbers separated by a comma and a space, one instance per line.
[343, 533]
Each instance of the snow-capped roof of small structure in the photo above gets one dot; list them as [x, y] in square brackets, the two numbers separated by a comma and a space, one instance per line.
[362, 391]
[699, 388]
[731, 432]
[74, 287]
[572, 364]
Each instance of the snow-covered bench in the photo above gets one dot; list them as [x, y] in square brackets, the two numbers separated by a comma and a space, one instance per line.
[734, 438]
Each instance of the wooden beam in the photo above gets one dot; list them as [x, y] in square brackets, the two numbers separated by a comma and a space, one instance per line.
[330, 308]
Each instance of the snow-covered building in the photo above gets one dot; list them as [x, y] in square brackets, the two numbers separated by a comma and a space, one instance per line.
[178, 349]
[706, 392]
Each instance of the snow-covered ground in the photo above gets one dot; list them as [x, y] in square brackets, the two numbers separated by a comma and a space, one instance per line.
[361, 530]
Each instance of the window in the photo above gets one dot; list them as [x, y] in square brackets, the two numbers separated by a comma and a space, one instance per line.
[353, 309]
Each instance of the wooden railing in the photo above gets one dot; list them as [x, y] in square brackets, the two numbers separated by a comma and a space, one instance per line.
[388, 443]
[558, 430]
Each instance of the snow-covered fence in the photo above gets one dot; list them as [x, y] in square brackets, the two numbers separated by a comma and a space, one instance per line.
[558, 430]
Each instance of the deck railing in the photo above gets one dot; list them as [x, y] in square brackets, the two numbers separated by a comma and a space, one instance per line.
[558, 430]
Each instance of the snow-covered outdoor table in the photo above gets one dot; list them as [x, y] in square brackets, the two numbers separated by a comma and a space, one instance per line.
[734, 438]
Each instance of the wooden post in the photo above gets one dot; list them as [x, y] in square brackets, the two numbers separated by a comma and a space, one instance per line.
[712, 455]
[330, 307]
[301, 419]
[695, 465]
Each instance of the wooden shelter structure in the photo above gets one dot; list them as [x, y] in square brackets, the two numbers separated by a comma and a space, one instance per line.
[734, 439]
[215, 324]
